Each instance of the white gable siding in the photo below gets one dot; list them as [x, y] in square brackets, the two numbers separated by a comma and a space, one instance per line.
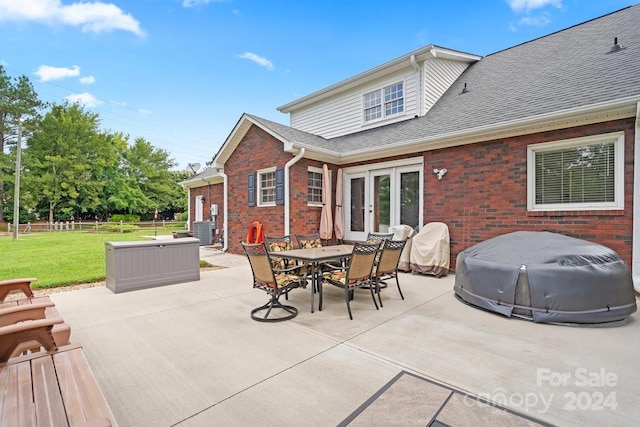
[342, 114]
[439, 74]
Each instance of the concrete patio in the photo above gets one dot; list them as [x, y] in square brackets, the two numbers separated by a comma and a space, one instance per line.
[190, 355]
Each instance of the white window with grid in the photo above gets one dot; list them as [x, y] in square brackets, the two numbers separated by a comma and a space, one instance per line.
[576, 174]
[267, 187]
[314, 185]
[385, 102]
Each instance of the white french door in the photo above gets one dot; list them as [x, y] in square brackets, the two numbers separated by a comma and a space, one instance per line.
[382, 195]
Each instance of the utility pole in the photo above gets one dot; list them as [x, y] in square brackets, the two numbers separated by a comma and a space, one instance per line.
[16, 190]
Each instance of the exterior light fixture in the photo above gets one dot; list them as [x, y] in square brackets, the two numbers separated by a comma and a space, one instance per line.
[440, 172]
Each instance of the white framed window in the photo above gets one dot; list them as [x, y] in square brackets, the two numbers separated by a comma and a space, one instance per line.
[314, 186]
[267, 187]
[576, 174]
[384, 102]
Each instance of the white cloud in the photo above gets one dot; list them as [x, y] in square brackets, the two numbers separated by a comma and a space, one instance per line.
[144, 112]
[84, 99]
[195, 3]
[535, 21]
[257, 59]
[46, 73]
[527, 5]
[93, 17]
[118, 103]
[88, 80]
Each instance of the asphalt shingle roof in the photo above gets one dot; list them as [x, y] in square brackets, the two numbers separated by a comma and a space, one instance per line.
[564, 70]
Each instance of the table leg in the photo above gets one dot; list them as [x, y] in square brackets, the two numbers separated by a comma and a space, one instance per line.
[313, 283]
[319, 283]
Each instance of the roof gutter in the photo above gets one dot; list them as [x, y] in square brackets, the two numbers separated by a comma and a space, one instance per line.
[287, 205]
[610, 110]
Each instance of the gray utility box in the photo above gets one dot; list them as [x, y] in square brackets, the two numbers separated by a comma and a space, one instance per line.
[146, 264]
[203, 230]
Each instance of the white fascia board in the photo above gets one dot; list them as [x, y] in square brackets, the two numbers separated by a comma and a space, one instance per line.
[440, 52]
[232, 141]
[430, 51]
[611, 110]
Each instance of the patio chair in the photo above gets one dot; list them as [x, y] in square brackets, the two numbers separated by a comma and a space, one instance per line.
[280, 244]
[306, 241]
[28, 335]
[273, 281]
[30, 308]
[379, 237]
[357, 274]
[22, 285]
[387, 266]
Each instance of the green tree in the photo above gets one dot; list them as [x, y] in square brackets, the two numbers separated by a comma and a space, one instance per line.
[18, 100]
[148, 169]
[65, 160]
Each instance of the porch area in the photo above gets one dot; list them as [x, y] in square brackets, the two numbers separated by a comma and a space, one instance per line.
[190, 355]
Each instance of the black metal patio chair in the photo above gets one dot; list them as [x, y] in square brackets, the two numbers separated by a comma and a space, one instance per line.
[274, 281]
[387, 265]
[357, 274]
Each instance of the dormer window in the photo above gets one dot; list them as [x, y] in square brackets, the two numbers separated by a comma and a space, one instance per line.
[385, 102]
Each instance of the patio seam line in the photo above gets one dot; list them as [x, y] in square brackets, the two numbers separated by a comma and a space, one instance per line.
[257, 383]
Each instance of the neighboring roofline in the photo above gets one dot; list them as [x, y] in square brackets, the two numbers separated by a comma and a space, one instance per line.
[596, 113]
[203, 178]
[430, 51]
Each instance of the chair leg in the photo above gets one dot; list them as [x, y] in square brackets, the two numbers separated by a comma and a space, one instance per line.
[399, 290]
[378, 291]
[274, 303]
[346, 297]
[373, 286]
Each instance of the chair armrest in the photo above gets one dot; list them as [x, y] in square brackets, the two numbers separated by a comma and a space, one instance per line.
[326, 266]
[286, 270]
[20, 313]
[21, 336]
[23, 284]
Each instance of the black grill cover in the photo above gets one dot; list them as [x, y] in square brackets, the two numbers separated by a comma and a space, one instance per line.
[569, 280]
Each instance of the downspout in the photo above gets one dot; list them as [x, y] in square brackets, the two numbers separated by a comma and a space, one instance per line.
[189, 209]
[416, 68]
[225, 200]
[287, 166]
[635, 256]
[414, 64]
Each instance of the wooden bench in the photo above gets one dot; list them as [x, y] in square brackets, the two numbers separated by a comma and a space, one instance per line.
[55, 388]
[30, 308]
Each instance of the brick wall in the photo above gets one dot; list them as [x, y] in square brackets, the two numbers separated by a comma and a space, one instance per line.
[482, 195]
[213, 194]
[260, 150]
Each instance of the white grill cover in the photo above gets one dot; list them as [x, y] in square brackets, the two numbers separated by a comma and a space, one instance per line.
[401, 232]
[430, 252]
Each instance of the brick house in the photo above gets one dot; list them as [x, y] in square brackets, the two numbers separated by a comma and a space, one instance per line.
[540, 136]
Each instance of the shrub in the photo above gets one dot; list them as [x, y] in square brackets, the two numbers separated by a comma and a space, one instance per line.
[117, 228]
[124, 218]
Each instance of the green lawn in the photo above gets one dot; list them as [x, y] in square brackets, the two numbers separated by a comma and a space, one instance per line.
[59, 258]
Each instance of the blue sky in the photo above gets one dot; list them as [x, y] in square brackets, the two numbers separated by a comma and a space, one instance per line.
[180, 73]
